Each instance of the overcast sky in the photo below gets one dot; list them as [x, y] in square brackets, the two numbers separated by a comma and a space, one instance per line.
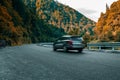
[90, 8]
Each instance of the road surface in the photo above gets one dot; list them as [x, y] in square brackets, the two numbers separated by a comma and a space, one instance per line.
[32, 62]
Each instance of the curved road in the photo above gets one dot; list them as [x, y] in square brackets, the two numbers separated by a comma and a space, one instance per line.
[32, 62]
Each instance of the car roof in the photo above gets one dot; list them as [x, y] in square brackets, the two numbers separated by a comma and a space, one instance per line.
[66, 36]
[70, 36]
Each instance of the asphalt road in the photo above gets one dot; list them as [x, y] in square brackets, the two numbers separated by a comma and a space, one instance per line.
[32, 62]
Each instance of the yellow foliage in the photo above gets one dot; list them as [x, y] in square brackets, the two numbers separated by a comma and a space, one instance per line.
[109, 23]
[4, 13]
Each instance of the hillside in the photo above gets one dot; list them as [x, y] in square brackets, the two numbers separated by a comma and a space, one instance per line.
[62, 16]
[19, 24]
[33, 21]
[108, 25]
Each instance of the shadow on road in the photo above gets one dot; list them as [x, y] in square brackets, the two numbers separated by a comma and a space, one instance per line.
[70, 52]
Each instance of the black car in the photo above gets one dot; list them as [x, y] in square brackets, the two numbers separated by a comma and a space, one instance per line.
[69, 42]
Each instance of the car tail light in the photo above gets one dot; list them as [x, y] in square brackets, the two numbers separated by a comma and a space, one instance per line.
[70, 42]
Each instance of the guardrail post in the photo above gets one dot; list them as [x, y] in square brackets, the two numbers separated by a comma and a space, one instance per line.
[106, 45]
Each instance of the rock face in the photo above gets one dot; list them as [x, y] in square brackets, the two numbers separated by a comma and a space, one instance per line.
[108, 26]
[61, 16]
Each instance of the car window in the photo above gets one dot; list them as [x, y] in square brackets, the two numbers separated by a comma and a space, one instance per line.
[62, 38]
[77, 38]
[65, 38]
[59, 39]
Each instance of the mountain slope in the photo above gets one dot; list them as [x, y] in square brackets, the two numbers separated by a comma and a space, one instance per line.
[61, 16]
[19, 24]
[33, 21]
[108, 25]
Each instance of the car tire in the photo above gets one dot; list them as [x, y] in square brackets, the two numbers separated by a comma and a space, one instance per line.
[80, 50]
[54, 49]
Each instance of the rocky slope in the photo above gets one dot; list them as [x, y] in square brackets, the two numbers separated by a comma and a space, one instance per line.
[108, 25]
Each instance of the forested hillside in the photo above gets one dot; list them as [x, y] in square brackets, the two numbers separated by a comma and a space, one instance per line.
[62, 16]
[19, 24]
[108, 25]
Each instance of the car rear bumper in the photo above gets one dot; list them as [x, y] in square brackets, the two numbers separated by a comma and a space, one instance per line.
[75, 47]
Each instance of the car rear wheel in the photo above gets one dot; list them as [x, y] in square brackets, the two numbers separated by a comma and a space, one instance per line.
[54, 49]
[80, 50]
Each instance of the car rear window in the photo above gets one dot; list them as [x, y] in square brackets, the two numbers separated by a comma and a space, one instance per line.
[77, 38]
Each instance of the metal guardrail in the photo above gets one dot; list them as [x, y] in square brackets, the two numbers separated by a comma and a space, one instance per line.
[114, 46]
[46, 44]
[104, 45]
[50, 43]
